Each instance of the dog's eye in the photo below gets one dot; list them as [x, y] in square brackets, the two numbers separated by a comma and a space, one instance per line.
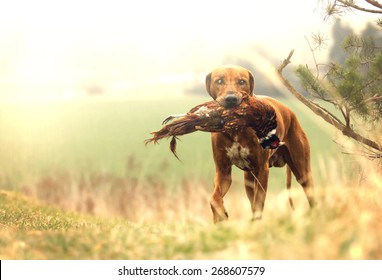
[242, 82]
[219, 81]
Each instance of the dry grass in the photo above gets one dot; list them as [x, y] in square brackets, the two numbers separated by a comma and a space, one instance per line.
[176, 224]
[346, 224]
[150, 198]
[110, 196]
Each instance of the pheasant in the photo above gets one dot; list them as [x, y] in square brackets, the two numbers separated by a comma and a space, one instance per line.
[212, 117]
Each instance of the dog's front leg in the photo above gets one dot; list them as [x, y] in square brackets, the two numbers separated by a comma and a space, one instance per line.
[222, 183]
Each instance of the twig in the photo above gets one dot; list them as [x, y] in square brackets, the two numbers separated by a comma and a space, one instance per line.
[374, 3]
[314, 57]
[362, 9]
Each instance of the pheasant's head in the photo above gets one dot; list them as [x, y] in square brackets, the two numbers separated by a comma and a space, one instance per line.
[228, 85]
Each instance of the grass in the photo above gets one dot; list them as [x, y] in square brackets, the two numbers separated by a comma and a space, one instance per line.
[114, 198]
[346, 225]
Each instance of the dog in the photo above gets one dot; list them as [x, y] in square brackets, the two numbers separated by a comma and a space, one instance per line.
[228, 85]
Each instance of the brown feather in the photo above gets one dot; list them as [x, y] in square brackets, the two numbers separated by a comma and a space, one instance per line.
[173, 147]
[211, 117]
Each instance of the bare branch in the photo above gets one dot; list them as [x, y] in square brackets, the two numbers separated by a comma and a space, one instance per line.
[317, 110]
[326, 111]
[285, 62]
[374, 3]
[359, 8]
[314, 57]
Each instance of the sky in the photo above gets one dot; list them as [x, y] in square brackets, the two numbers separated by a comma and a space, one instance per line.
[60, 47]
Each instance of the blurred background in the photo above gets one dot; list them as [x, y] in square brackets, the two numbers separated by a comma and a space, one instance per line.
[125, 49]
[82, 84]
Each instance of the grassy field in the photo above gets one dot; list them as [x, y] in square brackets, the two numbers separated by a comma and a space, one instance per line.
[128, 201]
[345, 225]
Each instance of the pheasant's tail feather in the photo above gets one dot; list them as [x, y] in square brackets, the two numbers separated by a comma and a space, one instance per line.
[173, 147]
[178, 127]
[157, 135]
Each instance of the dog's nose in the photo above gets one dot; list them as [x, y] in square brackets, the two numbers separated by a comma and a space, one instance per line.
[231, 100]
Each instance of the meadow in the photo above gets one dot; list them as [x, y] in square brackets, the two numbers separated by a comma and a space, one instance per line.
[78, 182]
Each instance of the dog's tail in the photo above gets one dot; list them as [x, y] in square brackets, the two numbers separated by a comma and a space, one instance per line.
[288, 185]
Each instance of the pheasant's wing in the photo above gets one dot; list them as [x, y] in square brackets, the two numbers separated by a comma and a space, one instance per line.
[264, 121]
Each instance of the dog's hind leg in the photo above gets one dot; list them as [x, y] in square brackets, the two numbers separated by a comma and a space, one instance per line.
[307, 184]
[300, 166]
[289, 185]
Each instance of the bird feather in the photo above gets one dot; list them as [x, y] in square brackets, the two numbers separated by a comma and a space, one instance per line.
[212, 117]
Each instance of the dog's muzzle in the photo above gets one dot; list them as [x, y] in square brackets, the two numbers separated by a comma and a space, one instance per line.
[231, 100]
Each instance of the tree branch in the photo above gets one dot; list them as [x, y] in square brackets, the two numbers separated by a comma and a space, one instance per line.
[374, 3]
[317, 110]
[359, 8]
[345, 129]
[314, 57]
[326, 111]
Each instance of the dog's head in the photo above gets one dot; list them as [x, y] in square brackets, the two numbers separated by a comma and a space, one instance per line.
[229, 84]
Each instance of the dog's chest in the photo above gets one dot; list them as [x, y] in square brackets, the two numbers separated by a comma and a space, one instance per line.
[239, 155]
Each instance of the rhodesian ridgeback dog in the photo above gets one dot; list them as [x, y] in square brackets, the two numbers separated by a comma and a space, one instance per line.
[228, 85]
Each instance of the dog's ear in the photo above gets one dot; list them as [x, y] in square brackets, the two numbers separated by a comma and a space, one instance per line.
[208, 85]
[251, 83]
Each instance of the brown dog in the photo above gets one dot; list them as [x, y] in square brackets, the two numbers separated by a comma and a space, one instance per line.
[228, 85]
